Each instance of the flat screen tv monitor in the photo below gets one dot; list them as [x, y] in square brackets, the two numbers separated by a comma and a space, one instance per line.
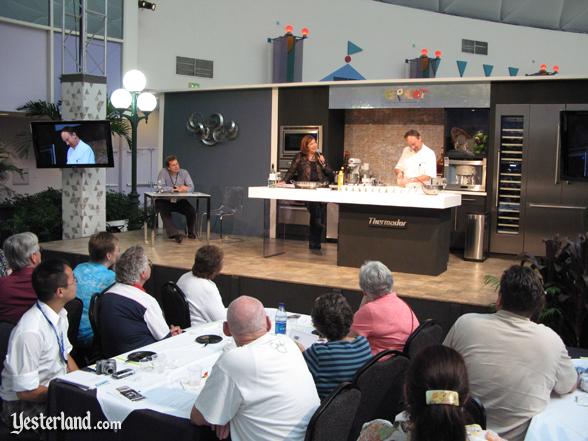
[72, 144]
[574, 145]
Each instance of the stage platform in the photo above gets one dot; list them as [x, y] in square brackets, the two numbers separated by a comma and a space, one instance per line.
[299, 275]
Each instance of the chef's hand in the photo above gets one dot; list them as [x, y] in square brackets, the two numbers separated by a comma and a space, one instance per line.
[281, 184]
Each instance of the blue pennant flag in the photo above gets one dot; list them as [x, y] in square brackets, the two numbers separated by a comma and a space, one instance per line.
[461, 66]
[488, 69]
[513, 71]
[352, 48]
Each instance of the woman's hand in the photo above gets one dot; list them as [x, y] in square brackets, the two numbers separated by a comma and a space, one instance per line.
[321, 159]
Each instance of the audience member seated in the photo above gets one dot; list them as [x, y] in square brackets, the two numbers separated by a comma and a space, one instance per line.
[336, 361]
[435, 392]
[38, 349]
[129, 317]
[383, 318]
[16, 290]
[513, 363]
[94, 277]
[261, 389]
[204, 299]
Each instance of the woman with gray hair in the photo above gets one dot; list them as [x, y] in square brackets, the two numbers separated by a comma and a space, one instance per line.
[383, 318]
[16, 290]
[129, 317]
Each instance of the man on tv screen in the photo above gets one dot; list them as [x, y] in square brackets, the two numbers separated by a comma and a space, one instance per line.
[78, 152]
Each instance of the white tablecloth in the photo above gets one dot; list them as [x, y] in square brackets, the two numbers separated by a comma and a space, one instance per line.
[164, 391]
[564, 419]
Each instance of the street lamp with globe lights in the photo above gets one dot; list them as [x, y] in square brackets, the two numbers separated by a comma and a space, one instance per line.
[128, 102]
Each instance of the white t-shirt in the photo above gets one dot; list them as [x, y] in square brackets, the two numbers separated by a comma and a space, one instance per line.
[423, 162]
[204, 299]
[33, 357]
[81, 154]
[263, 388]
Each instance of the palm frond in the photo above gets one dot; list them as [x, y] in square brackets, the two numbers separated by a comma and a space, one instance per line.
[42, 108]
[118, 125]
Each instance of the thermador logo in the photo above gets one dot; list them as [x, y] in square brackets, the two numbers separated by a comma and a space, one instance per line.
[388, 223]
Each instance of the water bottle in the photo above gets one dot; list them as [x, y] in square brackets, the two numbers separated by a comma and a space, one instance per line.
[281, 319]
[272, 179]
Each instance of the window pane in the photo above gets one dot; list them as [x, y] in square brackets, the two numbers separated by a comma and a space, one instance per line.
[32, 11]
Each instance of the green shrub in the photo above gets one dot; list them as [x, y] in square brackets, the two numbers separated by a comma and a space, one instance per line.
[39, 213]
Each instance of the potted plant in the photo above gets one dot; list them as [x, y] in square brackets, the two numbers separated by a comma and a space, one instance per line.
[39, 213]
[564, 270]
[122, 214]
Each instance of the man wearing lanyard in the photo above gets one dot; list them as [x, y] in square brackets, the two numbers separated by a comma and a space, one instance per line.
[176, 180]
[417, 164]
[38, 349]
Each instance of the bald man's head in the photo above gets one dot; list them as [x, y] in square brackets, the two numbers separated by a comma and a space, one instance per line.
[246, 317]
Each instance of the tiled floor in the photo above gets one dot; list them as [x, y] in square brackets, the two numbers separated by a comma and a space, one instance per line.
[461, 283]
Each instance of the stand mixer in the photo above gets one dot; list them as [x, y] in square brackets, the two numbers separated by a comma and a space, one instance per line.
[353, 171]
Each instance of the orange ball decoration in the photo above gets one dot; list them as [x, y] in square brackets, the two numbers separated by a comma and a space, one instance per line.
[289, 29]
[305, 32]
[438, 54]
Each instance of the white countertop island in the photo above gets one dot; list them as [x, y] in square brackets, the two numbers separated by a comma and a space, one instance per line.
[381, 196]
[404, 228]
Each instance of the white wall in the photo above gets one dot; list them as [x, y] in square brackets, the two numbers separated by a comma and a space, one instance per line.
[233, 33]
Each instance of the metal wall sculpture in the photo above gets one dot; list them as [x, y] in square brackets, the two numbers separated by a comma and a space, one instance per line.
[212, 130]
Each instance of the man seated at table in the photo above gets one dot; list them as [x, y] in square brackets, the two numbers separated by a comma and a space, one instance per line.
[38, 349]
[514, 364]
[383, 318]
[262, 388]
[176, 180]
[129, 318]
[16, 290]
[94, 277]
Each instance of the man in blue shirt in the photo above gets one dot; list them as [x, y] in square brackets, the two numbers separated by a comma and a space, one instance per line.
[78, 152]
[94, 277]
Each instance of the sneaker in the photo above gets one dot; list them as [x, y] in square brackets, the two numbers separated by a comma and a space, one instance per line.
[178, 238]
[191, 236]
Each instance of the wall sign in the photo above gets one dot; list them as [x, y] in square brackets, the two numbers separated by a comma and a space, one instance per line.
[398, 224]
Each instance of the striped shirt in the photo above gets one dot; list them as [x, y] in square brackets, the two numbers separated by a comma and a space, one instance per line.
[334, 362]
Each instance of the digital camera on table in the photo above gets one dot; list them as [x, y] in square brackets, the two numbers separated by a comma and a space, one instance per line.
[106, 367]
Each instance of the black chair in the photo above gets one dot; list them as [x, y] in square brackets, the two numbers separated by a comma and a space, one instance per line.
[174, 305]
[475, 412]
[381, 382]
[94, 316]
[5, 330]
[74, 310]
[332, 420]
[429, 333]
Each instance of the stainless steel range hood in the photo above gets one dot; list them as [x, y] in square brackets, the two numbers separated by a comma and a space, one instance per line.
[410, 95]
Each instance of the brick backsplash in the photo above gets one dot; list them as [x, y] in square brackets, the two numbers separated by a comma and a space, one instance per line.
[376, 136]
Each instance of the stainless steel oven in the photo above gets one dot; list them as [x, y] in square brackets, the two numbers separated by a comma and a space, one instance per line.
[468, 175]
[289, 145]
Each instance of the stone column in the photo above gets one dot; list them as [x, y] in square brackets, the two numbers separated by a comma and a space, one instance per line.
[83, 97]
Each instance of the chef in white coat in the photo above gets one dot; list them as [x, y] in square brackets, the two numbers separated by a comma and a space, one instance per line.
[418, 163]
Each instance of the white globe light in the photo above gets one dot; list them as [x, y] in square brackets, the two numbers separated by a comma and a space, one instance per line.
[146, 102]
[134, 80]
[121, 98]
